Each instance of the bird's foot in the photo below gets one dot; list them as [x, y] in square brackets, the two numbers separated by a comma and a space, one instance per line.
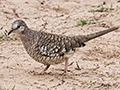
[37, 73]
[41, 73]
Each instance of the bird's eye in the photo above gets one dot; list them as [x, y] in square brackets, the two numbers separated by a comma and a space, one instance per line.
[18, 26]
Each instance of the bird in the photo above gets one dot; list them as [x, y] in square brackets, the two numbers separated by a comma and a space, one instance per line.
[50, 49]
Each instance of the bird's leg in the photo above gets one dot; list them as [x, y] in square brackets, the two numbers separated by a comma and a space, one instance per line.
[45, 69]
[66, 65]
[71, 64]
[41, 73]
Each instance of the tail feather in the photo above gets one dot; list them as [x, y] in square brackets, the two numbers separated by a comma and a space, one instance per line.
[85, 38]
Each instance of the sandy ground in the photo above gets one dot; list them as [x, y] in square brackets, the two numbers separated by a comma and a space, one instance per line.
[99, 60]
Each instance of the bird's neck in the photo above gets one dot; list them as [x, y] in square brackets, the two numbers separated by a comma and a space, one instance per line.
[28, 38]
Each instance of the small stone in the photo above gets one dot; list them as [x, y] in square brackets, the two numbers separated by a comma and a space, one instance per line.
[35, 83]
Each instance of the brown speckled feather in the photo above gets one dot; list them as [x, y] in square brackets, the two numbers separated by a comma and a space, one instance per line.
[49, 48]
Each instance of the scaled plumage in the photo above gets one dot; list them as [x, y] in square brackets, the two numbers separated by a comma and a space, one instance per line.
[48, 48]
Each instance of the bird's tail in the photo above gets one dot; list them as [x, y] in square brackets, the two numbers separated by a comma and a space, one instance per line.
[85, 38]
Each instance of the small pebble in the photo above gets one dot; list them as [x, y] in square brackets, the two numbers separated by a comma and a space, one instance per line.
[35, 83]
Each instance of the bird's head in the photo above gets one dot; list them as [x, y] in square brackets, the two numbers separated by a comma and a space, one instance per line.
[18, 26]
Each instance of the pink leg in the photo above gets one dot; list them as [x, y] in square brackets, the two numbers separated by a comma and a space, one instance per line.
[71, 64]
[66, 66]
[45, 69]
[41, 73]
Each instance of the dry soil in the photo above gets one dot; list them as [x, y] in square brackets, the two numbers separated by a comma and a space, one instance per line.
[98, 60]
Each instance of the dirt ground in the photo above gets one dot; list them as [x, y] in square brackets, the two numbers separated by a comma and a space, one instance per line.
[99, 60]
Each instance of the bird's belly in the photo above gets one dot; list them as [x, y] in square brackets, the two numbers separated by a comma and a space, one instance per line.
[47, 60]
[50, 60]
[44, 59]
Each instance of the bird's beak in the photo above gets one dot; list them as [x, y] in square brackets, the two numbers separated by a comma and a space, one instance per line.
[10, 31]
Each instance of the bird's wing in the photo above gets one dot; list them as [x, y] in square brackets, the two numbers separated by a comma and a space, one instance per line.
[52, 45]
